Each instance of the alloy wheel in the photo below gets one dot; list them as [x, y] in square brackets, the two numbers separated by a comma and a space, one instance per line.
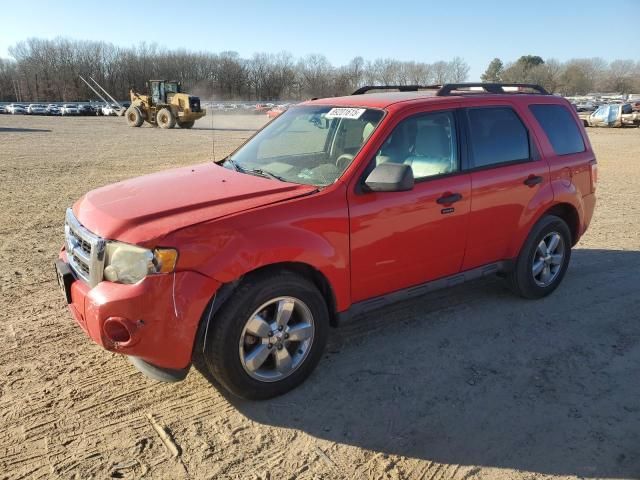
[548, 259]
[276, 339]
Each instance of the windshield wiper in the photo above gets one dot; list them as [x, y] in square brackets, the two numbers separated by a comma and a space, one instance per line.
[252, 171]
[263, 173]
[233, 163]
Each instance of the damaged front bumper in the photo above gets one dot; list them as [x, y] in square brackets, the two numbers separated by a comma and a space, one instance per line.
[154, 320]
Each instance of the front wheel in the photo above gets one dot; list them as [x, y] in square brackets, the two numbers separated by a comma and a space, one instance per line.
[268, 337]
[543, 260]
[166, 118]
[134, 117]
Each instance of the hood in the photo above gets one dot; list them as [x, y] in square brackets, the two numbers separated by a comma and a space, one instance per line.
[151, 206]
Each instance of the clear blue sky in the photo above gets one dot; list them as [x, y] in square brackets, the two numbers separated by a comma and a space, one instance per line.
[402, 29]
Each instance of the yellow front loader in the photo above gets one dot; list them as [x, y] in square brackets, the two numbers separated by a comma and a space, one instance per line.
[164, 106]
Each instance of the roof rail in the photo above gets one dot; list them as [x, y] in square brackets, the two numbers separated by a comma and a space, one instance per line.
[400, 88]
[497, 88]
[448, 88]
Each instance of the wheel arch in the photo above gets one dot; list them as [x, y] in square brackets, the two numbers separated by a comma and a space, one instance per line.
[564, 210]
[569, 214]
[300, 268]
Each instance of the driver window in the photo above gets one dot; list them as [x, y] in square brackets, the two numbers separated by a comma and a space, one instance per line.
[426, 142]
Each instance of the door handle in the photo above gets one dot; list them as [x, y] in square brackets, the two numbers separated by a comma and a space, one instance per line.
[449, 198]
[533, 180]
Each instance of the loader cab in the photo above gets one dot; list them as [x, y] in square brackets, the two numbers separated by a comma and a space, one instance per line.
[160, 88]
[158, 92]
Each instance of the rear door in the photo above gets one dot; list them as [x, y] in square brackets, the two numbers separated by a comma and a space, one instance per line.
[401, 239]
[508, 175]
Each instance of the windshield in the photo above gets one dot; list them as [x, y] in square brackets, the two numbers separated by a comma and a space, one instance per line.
[311, 144]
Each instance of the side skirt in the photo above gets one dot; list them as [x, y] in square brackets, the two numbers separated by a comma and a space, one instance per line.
[376, 303]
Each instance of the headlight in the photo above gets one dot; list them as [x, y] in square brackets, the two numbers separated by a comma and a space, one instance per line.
[126, 263]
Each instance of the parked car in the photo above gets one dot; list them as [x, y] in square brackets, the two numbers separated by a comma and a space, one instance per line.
[335, 208]
[53, 109]
[277, 110]
[110, 110]
[3, 109]
[36, 109]
[263, 107]
[612, 115]
[85, 109]
[16, 109]
[69, 109]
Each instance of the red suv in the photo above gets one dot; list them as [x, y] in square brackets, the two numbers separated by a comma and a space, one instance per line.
[333, 209]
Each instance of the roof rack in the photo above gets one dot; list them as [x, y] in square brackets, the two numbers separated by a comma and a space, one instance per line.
[447, 89]
[497, 88]
[400, 88]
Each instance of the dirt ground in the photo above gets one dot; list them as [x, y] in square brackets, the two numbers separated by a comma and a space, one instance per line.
[469, 383]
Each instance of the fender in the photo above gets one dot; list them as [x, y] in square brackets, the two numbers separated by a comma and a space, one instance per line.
[539, 204]
[534, 213]
[311, 230]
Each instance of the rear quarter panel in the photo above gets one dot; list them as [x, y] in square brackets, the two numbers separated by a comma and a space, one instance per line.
[570, 175]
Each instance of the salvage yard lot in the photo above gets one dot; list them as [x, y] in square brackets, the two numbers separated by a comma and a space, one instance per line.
[466, 383]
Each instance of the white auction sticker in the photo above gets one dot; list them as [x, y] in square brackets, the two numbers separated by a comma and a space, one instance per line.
[345, 113]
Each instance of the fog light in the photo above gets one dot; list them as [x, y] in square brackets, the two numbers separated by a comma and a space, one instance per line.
[116, 330]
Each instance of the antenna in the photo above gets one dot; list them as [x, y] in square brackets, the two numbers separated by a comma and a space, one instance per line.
[213, 135]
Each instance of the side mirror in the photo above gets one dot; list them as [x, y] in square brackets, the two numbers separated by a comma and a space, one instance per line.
[390, 177]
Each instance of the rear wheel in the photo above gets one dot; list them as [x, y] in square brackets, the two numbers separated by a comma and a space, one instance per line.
[268, 337]
[165, 118]
[543, 260]
[134, 117]
[186, 124]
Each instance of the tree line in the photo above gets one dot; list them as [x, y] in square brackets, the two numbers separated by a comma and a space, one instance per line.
[575, 77]
[48, 70]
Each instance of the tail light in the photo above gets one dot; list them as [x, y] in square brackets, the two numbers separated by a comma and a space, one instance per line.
[594, 176]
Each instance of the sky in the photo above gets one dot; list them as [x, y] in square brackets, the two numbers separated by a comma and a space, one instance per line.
[425, 31]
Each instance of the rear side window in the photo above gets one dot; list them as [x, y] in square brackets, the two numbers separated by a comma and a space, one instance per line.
[560, 127]
[497, 136]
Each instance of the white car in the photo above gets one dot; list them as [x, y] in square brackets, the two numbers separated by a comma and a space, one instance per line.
[53, 109]
[69, 109]
[36, 109]
[110, 110]
[16, 109]
[3, 109]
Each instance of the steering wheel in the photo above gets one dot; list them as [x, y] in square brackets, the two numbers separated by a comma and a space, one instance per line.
[343, 161]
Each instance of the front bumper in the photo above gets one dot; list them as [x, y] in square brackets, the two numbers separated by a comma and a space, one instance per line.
[161, 314]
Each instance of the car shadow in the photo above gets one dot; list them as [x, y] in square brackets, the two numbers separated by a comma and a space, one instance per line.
[476, 376]
[20, 130]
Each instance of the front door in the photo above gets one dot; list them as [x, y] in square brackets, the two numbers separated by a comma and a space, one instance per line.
[400, 239]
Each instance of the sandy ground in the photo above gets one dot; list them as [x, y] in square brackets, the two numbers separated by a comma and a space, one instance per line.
[462, 384]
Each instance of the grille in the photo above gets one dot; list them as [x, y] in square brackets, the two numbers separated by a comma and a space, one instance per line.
[194, 104]
[85, 250]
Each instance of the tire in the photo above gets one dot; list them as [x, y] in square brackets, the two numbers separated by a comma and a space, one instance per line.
[166, 118]
[186, 124]
[134, 117]
[229, 346]
[533, 275]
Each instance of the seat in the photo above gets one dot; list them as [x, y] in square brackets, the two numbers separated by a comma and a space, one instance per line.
[432, 152]
[398, 146]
